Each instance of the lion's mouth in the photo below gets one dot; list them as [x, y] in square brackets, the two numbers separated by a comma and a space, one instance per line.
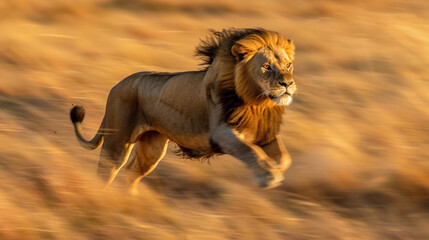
[273, 96]
[281, 99]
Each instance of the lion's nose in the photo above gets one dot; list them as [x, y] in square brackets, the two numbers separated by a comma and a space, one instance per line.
[285, 83]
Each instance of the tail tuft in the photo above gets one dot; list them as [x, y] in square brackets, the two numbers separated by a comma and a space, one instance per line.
[77, 114]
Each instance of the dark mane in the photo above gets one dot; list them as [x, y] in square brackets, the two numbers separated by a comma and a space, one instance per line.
[221, 40]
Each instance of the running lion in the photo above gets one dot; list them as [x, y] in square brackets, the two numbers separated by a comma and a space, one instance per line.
[234, 106]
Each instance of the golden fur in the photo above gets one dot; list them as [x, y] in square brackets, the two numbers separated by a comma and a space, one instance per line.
[233, 106]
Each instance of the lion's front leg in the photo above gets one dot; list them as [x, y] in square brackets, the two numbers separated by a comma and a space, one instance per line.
[264, 168]
[277, 151]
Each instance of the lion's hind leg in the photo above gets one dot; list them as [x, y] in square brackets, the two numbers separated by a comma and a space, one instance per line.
[115, 170]
[119, 125]
[149, 150]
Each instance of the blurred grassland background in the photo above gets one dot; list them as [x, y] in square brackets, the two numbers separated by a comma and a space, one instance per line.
[358, 130]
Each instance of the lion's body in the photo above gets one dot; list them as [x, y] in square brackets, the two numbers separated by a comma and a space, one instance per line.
[217, 110]
[171, 104]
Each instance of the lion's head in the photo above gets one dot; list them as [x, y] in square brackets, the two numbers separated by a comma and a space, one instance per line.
[258, 62]
[264, 68]
[254, 78]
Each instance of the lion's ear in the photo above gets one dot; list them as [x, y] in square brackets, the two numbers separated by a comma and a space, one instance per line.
[239, 51]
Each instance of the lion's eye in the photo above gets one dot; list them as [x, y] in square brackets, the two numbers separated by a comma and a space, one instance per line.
[289, 65]
[267, 66]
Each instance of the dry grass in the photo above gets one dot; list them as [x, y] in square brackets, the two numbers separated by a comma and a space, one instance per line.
[358, 130]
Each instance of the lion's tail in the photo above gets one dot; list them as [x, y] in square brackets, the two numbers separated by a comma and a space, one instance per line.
[77, 114]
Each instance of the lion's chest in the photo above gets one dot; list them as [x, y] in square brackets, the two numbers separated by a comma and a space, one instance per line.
[258, 124]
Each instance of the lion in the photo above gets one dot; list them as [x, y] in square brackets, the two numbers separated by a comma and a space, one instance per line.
[234, 105]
